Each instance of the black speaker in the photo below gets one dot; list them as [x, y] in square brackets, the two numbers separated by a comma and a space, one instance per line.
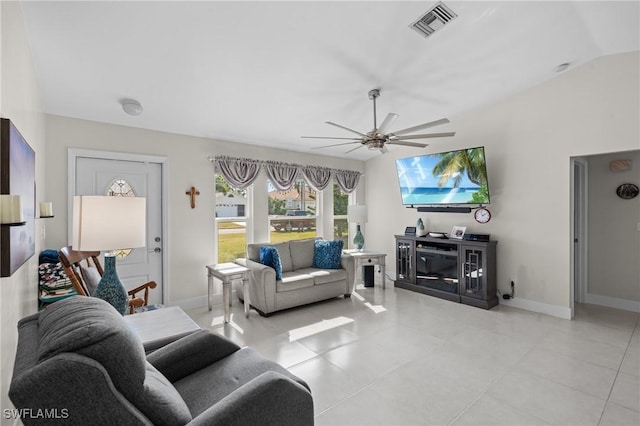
[367, 275]
[443, 209]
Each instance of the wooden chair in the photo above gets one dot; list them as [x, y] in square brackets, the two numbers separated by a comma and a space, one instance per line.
[77, 262]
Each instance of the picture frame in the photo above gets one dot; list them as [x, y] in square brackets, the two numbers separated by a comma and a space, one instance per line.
[457, 232]
[17, 177]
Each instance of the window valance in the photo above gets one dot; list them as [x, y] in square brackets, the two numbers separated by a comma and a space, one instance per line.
[242, 172]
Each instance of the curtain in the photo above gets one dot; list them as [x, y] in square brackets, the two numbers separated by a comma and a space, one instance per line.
[242, 172]
[317, 177]
[347, 180]
[238, 172]
[282, 175]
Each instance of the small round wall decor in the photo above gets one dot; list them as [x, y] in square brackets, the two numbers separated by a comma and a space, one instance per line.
[627, 191]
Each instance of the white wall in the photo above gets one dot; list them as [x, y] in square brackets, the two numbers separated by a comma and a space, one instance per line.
[614, 237]
[191, 231]
[20, 102]
[529, 139]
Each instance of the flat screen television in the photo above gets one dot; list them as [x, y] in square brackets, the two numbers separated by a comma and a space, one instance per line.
[452, 178]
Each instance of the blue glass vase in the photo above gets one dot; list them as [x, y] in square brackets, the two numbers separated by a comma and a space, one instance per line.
[110, 288]
[358, 239]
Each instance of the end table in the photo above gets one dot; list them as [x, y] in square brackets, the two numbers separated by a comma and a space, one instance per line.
[366, 257]
[228, 273]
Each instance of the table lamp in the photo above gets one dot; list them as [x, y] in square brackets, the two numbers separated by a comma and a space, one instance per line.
[109, 223]
[357, 214]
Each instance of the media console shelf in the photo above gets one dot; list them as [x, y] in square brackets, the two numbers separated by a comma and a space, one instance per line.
[458, 270]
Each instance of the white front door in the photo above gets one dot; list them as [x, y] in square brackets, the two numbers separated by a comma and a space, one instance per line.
[96, 176]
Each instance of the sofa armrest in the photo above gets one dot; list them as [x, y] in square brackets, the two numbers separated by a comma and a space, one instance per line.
[348, 263]
[262, 284]
[269, 399]
[190, 354]
[258, 270]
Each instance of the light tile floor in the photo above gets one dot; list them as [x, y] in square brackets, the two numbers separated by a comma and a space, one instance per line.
[395, 357]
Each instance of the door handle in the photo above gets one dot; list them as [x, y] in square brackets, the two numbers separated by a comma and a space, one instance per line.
[155, 250]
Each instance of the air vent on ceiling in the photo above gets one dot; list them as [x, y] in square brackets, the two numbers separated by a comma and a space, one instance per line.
[433, 20]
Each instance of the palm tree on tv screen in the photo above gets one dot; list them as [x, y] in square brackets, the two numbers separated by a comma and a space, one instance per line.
[455, 164]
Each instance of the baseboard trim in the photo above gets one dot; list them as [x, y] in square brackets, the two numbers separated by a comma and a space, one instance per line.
[613, 302]
[542, 308]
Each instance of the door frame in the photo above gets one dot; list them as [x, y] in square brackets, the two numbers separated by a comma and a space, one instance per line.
[74, 153]
[579, 230]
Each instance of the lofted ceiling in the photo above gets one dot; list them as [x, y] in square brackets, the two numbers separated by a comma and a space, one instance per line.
[269, 72]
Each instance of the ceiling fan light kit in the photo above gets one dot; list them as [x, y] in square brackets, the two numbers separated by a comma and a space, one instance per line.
[378, 138]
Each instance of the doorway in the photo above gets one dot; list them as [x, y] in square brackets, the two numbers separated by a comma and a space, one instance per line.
[107, 173]
[579, 182]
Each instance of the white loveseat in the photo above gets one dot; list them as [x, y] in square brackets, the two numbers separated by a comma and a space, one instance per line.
[301, 283]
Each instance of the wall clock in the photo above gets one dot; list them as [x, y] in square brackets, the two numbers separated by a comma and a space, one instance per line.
[627, 191]
[482, 215]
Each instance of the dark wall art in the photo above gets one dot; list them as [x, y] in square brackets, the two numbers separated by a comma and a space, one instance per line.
[17, 177]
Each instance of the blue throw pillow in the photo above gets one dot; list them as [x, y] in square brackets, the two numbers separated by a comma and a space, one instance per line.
[327, 254]
[269, 256]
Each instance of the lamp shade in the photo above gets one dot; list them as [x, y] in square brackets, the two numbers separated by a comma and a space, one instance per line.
[108, 222]
[357, 213]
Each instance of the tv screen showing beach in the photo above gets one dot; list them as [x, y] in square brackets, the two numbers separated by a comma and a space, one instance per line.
[453, 177]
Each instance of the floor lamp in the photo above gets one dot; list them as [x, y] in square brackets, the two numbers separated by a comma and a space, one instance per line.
[107, 223]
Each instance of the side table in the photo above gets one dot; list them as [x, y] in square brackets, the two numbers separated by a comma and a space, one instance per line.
[160, 327]
[228, 273]
[366, 257]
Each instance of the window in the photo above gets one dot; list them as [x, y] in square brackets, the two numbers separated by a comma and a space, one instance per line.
[292, 213]
[121, 188]
[231, 221]
[340, 224]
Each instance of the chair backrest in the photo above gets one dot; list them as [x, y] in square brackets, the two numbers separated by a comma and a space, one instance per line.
[72, 262]
[80, 354]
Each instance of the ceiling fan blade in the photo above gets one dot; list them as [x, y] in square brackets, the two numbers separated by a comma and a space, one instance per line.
[357, 147]
[421, 127]
[426, 136]
[405, 143]
[383, 150]
[337, 144]
[345, 128]
[329, 137]
[387, 122]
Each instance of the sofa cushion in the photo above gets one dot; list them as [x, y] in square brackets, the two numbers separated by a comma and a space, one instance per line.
[253, 251]
[91, 327]
[294, 281]
[327, 254]
[285, 256]
[91, 278]
[323, 276]
[302, 253]
[269, 256]
[160, 400]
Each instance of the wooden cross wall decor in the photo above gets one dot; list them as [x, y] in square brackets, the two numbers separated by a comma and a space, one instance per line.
[192, 193]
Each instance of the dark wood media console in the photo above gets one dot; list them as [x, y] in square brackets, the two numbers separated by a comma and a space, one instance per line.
[458, 270]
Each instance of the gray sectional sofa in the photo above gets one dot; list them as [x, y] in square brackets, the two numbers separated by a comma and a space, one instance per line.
[301, 283]
[78, 363]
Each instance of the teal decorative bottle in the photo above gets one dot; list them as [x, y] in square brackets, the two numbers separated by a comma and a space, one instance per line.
[358, 239]
[110, 288]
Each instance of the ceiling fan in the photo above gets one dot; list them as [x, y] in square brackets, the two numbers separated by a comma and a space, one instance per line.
[377, 138]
